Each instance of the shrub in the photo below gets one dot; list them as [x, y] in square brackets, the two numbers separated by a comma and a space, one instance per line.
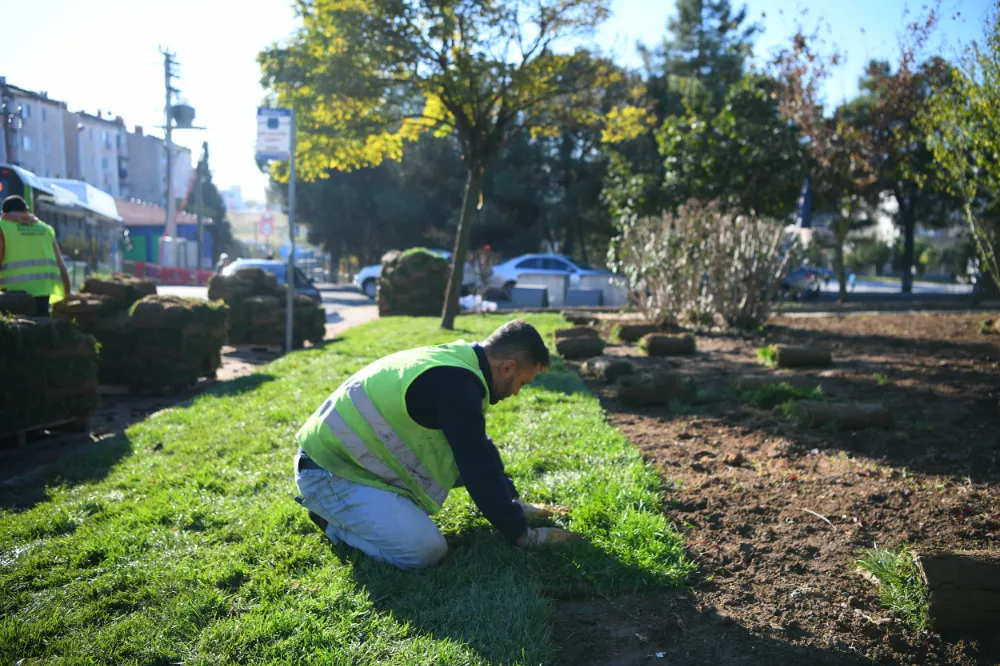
[702, 264]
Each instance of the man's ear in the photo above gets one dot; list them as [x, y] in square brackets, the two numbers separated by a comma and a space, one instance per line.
[508, 367]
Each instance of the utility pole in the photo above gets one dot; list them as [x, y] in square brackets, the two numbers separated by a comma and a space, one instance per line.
[199, 199]
[168, 76]
[10, 115]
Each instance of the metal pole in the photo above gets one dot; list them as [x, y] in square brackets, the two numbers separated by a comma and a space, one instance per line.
[169, 204]
[290, 305]
[199, 202]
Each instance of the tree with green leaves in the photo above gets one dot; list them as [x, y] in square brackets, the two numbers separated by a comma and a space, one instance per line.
[702, 56]
[886, 111]
[367, 75]
[708, 44]
[960, 123]
[842, 169]
[214, 206]
[745, 155]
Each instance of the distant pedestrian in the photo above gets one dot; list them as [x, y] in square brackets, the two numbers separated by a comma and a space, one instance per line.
[30, 258]
[221, 263]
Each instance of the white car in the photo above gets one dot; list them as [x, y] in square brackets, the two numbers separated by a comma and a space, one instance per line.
[506, 275]
[367, 278]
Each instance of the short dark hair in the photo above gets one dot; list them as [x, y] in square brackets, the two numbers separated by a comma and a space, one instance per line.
[14, 204]
[519, 340]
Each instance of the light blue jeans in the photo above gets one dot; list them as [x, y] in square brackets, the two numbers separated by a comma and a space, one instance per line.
[381, 524]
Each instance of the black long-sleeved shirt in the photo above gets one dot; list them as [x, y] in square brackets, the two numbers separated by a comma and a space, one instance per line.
[451, 399]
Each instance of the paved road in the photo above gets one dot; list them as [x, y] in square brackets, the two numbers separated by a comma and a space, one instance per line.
[863, 286]
[342, 304]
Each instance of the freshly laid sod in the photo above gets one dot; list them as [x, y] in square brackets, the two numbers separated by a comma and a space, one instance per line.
[179, 541]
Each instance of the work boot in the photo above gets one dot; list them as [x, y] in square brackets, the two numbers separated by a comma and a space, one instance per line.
[320, 521]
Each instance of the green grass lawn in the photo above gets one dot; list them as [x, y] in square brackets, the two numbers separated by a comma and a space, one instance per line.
[194, 552]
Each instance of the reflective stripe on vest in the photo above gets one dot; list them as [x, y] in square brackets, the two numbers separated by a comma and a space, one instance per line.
[385, 434]
[29, 277]
[11, 265]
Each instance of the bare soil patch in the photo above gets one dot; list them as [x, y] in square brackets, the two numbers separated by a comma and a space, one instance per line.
[778, 584]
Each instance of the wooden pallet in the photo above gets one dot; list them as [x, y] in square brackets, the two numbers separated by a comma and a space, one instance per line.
[21, 436]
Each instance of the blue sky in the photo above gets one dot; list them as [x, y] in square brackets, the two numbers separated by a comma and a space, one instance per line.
[104, 55]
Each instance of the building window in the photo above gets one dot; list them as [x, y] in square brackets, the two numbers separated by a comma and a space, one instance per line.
[46, 172]
[26, 111]
[44, 115]
[45, 142]
[29, 143]
[93, 161]
[104, 163]
[90, 131]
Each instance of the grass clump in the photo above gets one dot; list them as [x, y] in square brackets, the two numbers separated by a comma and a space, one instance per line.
[900, 582]
[770, 396]
[768, 355]
[179, 540]
[794, 413]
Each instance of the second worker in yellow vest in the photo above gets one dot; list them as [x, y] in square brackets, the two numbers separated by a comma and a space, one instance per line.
[30, 259]
[383, 451]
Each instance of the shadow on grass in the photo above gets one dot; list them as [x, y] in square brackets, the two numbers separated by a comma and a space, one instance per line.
[493, 596]
[89, 464]
[240, 385]
[71, 461]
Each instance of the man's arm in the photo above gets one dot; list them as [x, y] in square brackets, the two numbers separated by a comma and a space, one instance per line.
[3, 247]
[479, 464]
[63, 273]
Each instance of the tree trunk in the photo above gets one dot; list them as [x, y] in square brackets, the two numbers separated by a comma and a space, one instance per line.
[472, 187]
[336, 250]
[838, 263]
[964, 589]
[583, 242]
[909, 219]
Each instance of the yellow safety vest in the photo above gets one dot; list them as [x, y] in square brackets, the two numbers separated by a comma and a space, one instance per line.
[364, 433]
[29, 262]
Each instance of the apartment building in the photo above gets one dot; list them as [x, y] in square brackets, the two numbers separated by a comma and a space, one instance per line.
[97, 150]
[148, 168]
[33, 139]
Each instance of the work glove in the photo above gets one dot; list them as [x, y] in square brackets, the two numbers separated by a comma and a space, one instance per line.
[542, 536]
[540, 511]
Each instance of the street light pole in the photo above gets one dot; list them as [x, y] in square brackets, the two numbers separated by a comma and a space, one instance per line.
[290, 304]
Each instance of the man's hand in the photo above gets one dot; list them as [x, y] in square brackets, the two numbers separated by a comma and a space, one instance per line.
[540, 536]
[540, 511]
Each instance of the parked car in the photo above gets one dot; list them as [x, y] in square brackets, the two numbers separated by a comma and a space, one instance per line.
[279, 269]
[508, 274]
[803, 283]
[367, 278]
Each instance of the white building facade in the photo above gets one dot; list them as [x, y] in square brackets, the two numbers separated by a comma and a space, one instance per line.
[34, 138]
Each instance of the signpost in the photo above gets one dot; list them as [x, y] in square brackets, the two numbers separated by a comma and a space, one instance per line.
[276, 141]
[266, 224]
